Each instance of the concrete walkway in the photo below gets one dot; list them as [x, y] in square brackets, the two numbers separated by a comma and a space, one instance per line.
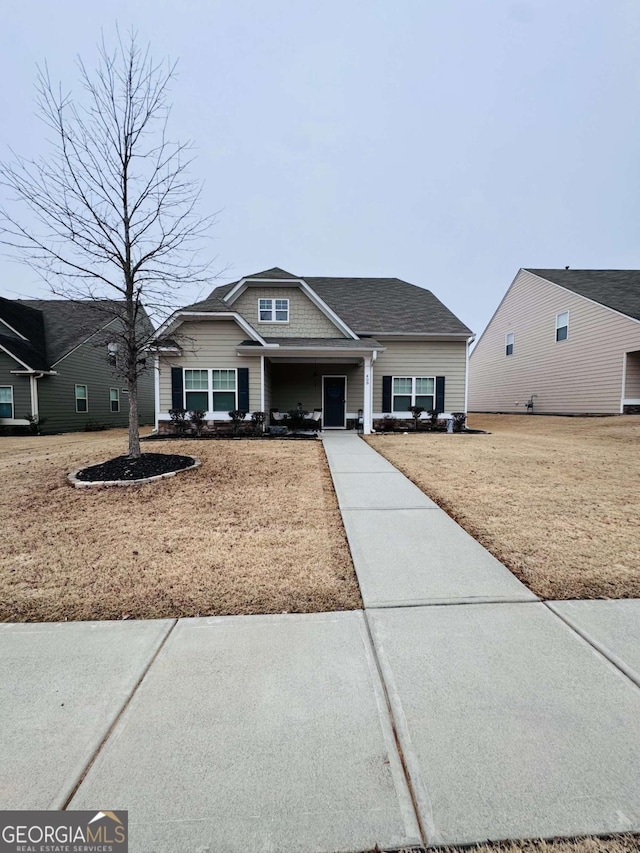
[455, 708]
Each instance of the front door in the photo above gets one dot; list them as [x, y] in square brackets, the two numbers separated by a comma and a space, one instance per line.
[333, 414]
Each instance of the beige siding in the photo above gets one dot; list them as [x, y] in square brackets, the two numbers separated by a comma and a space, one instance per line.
[302, 383]
[423, 358]
[210, 344]
[581, 375]
[306, 320]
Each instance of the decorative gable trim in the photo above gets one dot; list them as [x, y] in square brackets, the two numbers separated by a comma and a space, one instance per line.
[238, 289]
[11, 329]
[180, 317]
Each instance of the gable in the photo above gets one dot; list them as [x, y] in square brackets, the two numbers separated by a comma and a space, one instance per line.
[306, 320]
[615, 289]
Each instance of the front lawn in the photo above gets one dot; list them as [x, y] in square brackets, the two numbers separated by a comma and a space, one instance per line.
[556, 499]
[256, 529]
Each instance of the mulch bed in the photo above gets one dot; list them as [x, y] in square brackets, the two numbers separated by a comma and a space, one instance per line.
[123, 468]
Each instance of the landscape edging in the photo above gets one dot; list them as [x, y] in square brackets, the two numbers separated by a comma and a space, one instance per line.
[88, 484]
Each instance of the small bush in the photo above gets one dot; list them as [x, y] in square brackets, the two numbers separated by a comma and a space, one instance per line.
[433, 419]
[237, 416]
[258, 419]
[197, 418]
[35, 422]
[388, 423]
[459, 421]
[179, 420]
[416, 411]
[92, 426]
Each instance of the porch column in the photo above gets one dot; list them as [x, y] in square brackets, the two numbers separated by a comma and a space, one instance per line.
[368, 398]
[156, 391]
[33, 387]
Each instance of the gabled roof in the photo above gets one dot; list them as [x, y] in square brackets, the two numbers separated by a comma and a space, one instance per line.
[617, 289]
[54, 327]
[29, 323]
[382, 306]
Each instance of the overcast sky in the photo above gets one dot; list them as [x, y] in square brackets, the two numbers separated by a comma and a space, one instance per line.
[445, 142]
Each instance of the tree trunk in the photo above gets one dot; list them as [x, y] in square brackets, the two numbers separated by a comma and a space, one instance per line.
[134, 427]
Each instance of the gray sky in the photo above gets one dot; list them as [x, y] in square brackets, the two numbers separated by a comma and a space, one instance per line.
[447, 143]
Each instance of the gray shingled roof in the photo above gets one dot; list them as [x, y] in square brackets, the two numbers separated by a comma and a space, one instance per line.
[56, 326]
[374, 305]
[617, 289]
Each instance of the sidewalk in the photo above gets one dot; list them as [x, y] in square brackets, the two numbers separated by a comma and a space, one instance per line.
[456, 708]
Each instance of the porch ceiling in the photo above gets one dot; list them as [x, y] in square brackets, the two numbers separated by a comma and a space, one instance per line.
[310, 347]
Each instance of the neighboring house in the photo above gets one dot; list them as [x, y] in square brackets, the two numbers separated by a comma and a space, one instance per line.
[56, 364]
[274, 340]
[566, 340]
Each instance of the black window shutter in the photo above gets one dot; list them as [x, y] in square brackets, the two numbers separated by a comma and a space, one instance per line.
[439, 394]
[176, 388]
[386, 393]
[243, 389]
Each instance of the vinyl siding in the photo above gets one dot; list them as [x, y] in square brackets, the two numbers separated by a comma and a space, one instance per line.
[581, 375]
[88, 366]
[296, 383]
[210, 344]
[21, 387]
[306, 320]
[423, 358]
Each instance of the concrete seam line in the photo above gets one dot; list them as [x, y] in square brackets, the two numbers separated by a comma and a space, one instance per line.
[417, 789]
[617, 663]
[395, 605]
[118, 717]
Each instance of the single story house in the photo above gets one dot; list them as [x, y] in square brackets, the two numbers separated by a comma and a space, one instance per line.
[345, 346]
[561, 342]
[57, 365]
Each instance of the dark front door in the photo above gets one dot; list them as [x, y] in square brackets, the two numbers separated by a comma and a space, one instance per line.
[334, 400]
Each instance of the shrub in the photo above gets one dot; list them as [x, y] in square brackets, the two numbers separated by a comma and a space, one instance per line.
[433, 419]
[416, 411]
[179, 420]
[297, 418]
[197, 418]
[92, 426]
[35, 422]
[237, 416]
[459, 421]
[258, 419]
[388, 423]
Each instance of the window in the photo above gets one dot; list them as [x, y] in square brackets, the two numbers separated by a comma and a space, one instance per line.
[82, 398]
[224, 390]
[114, 399]
[6, 401]
[196, 390]
[273, 310]
[508, 341]
[562, 326]
[411, 391]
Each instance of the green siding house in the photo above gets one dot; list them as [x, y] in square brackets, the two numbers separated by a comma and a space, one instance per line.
[58, 364]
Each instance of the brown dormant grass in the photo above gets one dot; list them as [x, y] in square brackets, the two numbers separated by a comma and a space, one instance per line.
[618, 844]
[556, 499]
[256, 529]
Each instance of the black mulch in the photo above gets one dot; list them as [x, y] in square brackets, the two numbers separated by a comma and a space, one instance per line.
[123, 468]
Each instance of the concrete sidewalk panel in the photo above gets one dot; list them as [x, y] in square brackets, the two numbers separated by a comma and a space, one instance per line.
[359, 463]
[421, 556]
[390, 490]
[613, 627]
[511, 725]
[62, 686]
[258, 733]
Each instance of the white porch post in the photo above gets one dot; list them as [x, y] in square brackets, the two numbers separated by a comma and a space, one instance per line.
[262, 383]
[368, 398]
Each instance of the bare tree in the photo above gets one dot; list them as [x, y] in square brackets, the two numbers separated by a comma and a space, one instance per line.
[111, 214]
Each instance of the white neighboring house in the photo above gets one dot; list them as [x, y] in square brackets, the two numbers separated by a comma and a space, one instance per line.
[566, 341]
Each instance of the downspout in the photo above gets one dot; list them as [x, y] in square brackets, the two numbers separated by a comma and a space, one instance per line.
[33, 387]
[156, 389]
[466, 374]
